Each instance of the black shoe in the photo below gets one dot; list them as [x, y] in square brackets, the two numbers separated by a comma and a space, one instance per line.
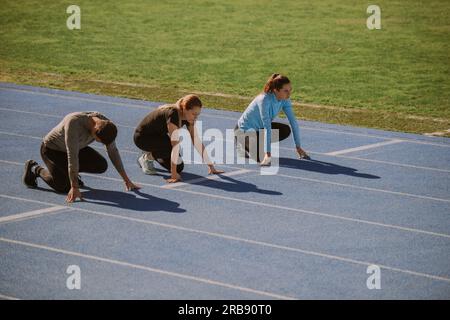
[29, 177]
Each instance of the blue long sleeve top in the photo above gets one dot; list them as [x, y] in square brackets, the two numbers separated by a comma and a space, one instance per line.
[260, 113]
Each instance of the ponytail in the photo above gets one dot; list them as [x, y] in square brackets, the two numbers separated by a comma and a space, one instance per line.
[185, 103]
[275, 81]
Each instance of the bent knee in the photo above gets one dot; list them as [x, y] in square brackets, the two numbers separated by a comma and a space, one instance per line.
[102, 166]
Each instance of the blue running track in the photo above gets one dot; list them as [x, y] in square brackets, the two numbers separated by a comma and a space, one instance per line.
[367, 197]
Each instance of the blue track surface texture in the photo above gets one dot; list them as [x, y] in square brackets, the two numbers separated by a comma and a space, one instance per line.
[368, 200]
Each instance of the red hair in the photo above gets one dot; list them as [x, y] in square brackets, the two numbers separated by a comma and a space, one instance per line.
[189, 102]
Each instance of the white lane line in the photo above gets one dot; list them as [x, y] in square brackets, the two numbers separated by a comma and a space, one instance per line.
[41, 138]
[301, 211]
[4, 297]
[249, 241]
[24, 215]
[376, 136]
[333, 154]
[53, 116]
[281, 148]
[111, 103]
[13, 163]
[295, 210]
[32, 112]
[283, 175]
[224, 117]
[171, 186]
[338, 156]
[149, 269]
[438, 133]
[69, 97]
[389, 163]
[365, 147]
[263, 204]
[20, 135]
[341, 185]
[366, 188]
[208, 178]
[117, 124]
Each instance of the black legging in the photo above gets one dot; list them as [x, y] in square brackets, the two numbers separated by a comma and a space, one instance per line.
[160, 146]
[57, 176]
[283, 132]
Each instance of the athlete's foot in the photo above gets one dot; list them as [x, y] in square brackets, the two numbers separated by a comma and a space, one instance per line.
[146, 165]
[29, 177]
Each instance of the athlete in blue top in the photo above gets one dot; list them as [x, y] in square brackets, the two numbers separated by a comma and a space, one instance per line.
[262, 110]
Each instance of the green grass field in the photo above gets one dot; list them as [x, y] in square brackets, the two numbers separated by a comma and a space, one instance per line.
[394, 78]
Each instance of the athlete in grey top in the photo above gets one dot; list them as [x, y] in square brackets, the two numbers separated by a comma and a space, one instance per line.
[66, 153]
[73, 134]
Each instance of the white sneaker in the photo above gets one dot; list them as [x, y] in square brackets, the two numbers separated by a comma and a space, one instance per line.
[146, 165]
[267, 161]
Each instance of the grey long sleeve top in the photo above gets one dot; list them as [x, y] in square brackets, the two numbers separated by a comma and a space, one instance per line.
[73, 134]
